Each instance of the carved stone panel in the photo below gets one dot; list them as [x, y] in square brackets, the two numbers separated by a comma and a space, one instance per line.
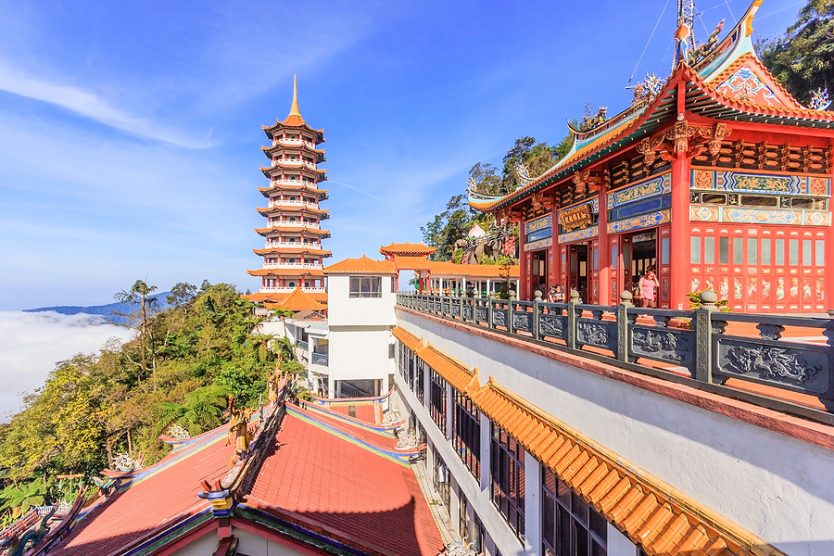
[597, 333]
[674, 346]
[455, 310]
[778, 363]
[523, 321]
[467, 312]
[499, 317]
[553, 326]
[482, 314]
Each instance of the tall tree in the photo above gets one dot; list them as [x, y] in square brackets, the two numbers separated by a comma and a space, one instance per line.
[803, 58]
[140, 295]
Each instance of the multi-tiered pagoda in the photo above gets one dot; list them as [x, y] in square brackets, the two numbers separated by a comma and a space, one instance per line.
[293, 253]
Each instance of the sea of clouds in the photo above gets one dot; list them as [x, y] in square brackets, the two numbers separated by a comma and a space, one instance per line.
[31, 344]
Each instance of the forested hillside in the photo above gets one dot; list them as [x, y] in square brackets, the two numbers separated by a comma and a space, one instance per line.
[179, 368]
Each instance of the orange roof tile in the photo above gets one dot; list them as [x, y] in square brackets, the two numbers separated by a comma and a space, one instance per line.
[406, 249]
[300, 250]
[448, 268]
[649, 512]
[292, 230]
[298, 300]
[346, 490]
[279, 297]
[411, 341]
[453, 372]
[362, 265]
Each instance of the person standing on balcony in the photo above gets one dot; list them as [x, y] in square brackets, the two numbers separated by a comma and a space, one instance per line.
[556, 294]
[648, 288]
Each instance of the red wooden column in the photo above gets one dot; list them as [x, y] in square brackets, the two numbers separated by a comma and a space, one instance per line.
[829, 244]
[555, 253]
[523, 264]
[679, 283]
[604, 286]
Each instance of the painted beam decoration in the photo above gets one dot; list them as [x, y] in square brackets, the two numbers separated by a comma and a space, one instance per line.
[538, 233]
[578, 222]
[644, 204]
[738, 186]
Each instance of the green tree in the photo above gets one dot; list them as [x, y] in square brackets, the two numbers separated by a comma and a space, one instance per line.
[448, 227]
[140, 294]
[803, 58]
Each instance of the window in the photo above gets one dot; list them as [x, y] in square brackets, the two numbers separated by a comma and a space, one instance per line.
[615, 256]
[437, 400]
[766, 251]
[793, 252]
[695, 250]
[759, 201]
[507, 470]
[365, 286]
[752, 250]
[780, 251]
[820, 255]
[467, 437]
[709, 250]
[806, 252]
[738, 250]
[664, 250]
[419, 379]
[723, 250]
[570, 526]
[714, 198]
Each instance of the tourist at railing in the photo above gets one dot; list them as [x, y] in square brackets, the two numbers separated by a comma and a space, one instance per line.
[556, 294]
[648, 285]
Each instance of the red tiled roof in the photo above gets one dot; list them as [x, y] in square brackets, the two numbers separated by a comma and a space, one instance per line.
[279, 297]
[346, 490]
[448, 268]
[406, 249]
[362, 265]
[165, 496]
[298, 300]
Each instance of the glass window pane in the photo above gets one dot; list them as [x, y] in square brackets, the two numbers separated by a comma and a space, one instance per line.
[752, 250]
[738, 250]
[695, 250]
[709, 250]
[806, 252]
[765, 251]
[615, 255]
[793, 252]
[664, 250]
[598, 524]
[724, 250]
[780, 251]
[596, 258]
[820, 255]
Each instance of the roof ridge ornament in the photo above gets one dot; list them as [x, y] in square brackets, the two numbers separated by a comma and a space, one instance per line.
[820, 100]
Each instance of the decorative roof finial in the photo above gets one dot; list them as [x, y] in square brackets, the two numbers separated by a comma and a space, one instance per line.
[820, 100]
[294, 111]
[684, 38]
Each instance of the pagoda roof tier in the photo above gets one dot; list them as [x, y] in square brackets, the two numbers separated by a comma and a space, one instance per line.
[294, 209]
[730, 83]
[293, 272]
[300, 147]
[322, 193]
[293, 230]
[298, 300]
[293, 251]
[291, 165]
[318, 173]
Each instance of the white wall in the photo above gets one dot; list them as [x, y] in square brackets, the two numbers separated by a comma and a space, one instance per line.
[775, 486]
[343, 310]
[359, 352]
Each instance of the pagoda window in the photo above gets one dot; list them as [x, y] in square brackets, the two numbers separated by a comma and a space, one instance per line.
[292, 218]
[306, 284]
[291, 284]
[292, 260]
[292, 240]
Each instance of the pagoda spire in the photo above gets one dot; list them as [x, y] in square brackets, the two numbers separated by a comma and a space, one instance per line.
[294, 111]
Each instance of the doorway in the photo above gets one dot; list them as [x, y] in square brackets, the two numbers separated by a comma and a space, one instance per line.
[538, 272]
[639, 253]
[578, 273]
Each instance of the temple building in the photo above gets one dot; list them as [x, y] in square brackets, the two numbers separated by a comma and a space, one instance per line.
[293, 234]
[716, 176]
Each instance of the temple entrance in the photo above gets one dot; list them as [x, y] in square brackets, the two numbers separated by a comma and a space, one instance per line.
[578, 269]
[538, 272]
[639, 253]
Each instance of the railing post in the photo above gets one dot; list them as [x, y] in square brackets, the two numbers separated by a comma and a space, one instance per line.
[510, 326]
[490, 310]
[703, 336]
[572, 303]
[623, 325]
[536, 314]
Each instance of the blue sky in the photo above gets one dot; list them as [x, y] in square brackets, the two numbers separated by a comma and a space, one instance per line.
[130, 132]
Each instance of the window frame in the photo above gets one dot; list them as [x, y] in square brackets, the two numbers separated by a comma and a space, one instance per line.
[507, 480]
[364, 287]
[467, 433]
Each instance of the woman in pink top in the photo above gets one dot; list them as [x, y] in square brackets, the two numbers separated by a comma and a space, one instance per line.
[648, 288]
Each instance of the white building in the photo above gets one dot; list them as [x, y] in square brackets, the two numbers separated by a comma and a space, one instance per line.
[361, 297]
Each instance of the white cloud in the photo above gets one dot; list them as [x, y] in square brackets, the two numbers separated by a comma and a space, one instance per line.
[31, 344]
[87, 104]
